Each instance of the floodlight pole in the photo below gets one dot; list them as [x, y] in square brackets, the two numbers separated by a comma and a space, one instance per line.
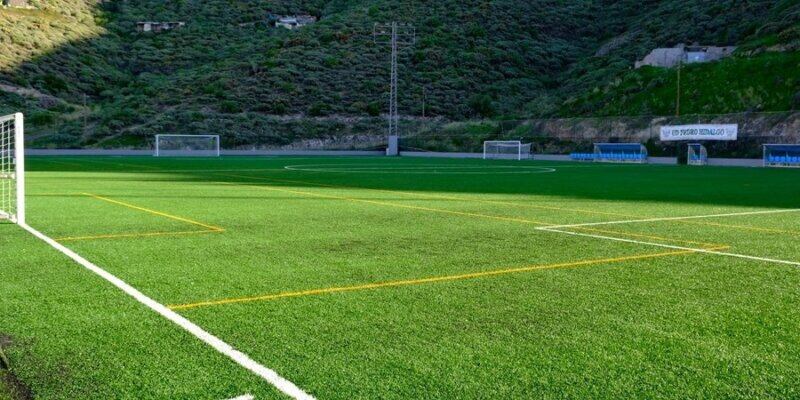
[399, 35]
[678, 91]
[393, 116]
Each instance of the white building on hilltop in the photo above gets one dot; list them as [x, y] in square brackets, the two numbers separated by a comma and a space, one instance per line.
[149, 26]
[672, 56]
[295, 21]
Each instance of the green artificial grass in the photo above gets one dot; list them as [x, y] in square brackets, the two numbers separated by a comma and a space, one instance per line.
[372, 278]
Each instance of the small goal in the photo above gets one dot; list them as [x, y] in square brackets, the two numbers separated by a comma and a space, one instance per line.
[12, 169]
[506, 150]
[697, 154]
[187, 146]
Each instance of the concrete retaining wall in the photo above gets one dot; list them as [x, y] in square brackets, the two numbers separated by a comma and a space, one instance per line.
[439, 154]
[103, 152]
[87, 152]
[302, 153]
[736, 162]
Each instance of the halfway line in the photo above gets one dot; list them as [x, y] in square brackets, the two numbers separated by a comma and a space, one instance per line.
[377, 202]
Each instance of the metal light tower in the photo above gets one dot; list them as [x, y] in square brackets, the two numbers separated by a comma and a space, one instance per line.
[397, 36]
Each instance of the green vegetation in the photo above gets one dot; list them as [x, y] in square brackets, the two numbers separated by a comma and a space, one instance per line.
[764, 82]
[646, 322]
[472, 59]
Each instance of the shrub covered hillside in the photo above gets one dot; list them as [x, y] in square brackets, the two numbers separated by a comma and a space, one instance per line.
[86, 78]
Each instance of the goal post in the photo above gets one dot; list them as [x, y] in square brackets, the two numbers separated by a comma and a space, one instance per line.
[12, 168]
[696, 154]
[187, 146]
[506, 150]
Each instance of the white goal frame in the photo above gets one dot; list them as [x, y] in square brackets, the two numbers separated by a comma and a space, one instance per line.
[508, 144]
[12, 168]
[159, 152]
[696, 154]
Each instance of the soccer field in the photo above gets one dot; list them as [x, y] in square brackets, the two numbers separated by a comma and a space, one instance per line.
[403, 278]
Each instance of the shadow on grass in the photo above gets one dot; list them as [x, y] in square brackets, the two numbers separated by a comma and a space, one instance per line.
[739, 187]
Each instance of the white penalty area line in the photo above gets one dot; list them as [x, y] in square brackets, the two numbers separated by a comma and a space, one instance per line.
[240, 358]
[668, 246]
[633, 221]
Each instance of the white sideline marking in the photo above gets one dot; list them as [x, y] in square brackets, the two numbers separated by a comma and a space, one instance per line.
[243, 397]
[631, 221]
[240, 358]
[668, 246]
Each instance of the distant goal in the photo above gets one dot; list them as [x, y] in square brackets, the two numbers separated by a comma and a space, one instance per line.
[506, 150]
[187, 146]
[697, 154]
[12, 169]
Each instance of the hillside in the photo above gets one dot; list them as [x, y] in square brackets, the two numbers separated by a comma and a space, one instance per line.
[473, 59]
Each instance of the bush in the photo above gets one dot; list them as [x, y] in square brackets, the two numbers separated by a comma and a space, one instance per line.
[53, 84]
[374, 109]
[41, 118]
[481, 105]
[230, 107]
[319, 109]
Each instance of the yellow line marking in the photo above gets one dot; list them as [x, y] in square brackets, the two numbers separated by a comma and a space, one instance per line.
[207, 228]
[133, 235]
[388, 204]
[435, 279]
[446, 211]
[154, 212]
[444, 197]
[516, 204]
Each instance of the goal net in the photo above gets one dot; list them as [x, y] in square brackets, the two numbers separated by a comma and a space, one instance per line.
[12, 169]
[187, 146]
[782, 155]
[506, 150]
[697, 154]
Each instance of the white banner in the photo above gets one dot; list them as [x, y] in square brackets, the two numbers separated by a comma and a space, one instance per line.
[699, 132]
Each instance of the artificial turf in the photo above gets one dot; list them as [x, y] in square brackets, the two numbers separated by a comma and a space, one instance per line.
[405, 278]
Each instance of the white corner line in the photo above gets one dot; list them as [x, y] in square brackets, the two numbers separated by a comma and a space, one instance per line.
[669, 246]
[243, 397]
[240, 358]
[633, 221]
